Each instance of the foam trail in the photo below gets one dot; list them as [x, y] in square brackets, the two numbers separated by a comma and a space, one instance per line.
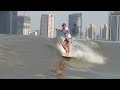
[82, 51]
[85, 51]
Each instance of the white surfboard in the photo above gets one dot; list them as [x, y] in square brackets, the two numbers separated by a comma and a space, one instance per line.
[62, 51]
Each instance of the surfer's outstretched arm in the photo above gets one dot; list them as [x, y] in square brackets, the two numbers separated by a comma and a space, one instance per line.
[59, 30]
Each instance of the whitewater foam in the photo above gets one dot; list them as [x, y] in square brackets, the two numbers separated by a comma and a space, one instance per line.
[83, 52]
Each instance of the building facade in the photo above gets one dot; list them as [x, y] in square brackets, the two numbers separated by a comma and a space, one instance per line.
[8, 22]
[23, 25]
[100, 37]
[75, 24]
[114, 26]
[91, 32]
[47, 26]
[105, 32]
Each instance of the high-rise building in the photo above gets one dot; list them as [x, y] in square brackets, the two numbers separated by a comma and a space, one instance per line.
[91, 32]
[47, 27]
[75, 24]
[86, 33]
[23, 25]
[97, 37]
[8, 22]
[100, 37]
[114, 25]
[104, 32]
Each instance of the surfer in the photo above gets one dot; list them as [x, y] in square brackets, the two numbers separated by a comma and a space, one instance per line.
[67, 42]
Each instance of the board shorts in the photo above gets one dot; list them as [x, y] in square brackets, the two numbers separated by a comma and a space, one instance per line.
[68, 40]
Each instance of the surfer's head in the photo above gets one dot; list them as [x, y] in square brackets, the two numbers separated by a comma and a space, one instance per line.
[64, 25]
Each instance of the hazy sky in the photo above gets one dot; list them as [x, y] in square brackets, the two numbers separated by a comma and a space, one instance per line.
[97, 18]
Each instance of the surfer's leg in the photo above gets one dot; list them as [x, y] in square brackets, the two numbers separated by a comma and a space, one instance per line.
[64, 45]
[68, 48]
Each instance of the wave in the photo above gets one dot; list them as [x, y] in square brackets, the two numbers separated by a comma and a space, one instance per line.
[83, 50]
[29, 47]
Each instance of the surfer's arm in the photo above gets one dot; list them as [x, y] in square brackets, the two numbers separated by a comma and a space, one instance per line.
[59, 30]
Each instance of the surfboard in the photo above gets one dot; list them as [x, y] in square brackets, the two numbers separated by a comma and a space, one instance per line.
[67, 56]
[62, 51]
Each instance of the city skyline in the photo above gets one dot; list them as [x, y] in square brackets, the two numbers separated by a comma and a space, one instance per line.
[97, 18]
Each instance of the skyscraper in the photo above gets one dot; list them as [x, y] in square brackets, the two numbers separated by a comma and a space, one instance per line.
[23, 25]
[91, 32]
[8, 22]
[105, 32]
[114, 25]
[75, 24]
[47, 27]
[100, 37]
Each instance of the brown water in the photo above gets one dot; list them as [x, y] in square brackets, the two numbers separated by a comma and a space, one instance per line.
[37, 58]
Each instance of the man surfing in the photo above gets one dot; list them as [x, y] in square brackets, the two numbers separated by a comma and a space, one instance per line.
[67, 42]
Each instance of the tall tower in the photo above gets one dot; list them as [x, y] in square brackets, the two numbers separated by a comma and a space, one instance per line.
[91, 31]
[75, 24]
[24, 24]
[47, 25]
[105, 32]
[8, 22]
[114, 25]
[100, 32]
